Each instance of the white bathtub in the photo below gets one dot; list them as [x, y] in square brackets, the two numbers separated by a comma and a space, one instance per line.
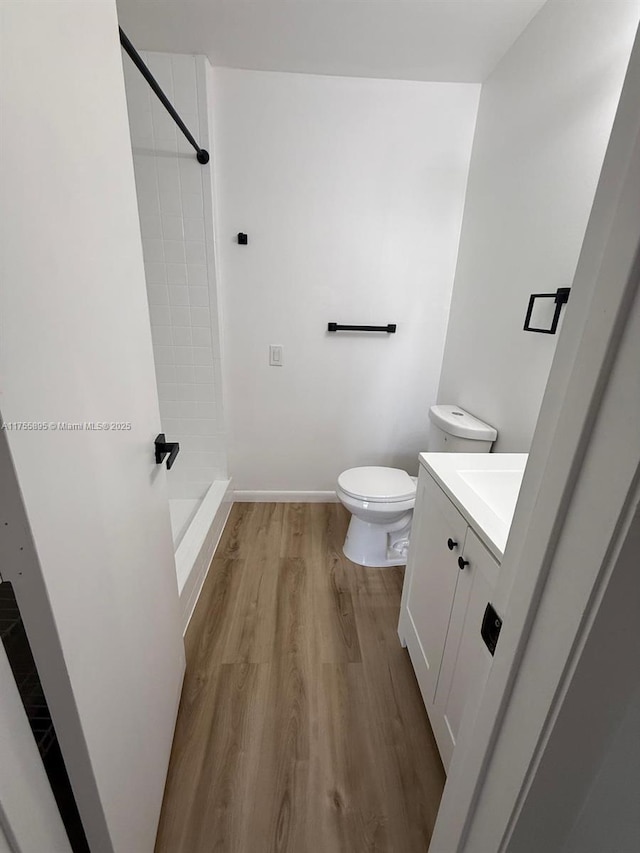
[197, 526]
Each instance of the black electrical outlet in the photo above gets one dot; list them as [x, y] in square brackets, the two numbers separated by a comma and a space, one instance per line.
[491, 625]
[242, 239]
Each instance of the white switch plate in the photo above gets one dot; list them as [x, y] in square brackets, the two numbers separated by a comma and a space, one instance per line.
[276, 355]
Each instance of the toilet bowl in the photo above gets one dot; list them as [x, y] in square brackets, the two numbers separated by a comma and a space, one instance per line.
[381, 502]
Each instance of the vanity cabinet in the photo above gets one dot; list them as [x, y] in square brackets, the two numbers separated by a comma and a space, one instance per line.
[449, 579]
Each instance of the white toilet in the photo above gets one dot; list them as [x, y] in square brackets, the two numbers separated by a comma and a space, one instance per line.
[381, 500]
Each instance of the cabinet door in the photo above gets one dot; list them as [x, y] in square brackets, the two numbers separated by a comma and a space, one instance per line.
[466, 660]
[431, 582]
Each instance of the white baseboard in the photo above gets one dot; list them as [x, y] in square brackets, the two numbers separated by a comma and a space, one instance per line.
[242, 496]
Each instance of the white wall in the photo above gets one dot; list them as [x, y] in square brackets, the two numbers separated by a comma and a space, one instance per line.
[176, 218]
[351, 192]
[610, 817]
[543, 124]
[4, 844]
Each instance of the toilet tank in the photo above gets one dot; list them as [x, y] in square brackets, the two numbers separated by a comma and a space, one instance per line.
[455, 431]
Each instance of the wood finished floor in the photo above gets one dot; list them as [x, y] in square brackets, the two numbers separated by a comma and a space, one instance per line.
[301, 726]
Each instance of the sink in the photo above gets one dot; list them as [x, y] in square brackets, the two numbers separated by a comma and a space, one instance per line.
[499, 489]
[484, 487]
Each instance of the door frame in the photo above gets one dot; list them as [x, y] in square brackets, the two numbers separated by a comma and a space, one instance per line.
[29, 818]
[580, 431]
[19, 558]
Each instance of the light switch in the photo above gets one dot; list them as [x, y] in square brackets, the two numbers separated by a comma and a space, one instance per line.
[276, 355]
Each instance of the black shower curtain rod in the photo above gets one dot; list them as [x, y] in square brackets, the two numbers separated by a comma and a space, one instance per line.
[201, 155]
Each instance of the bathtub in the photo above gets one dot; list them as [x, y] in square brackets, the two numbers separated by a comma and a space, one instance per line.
[197, 526]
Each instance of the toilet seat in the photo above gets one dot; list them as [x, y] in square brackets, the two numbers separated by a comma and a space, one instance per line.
[377, 484]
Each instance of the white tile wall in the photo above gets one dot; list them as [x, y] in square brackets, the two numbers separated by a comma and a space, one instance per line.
[174, 203]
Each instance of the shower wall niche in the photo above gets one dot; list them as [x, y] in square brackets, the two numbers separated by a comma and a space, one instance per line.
[175, 203]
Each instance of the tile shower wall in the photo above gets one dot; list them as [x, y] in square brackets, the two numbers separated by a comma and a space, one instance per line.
[175, 203]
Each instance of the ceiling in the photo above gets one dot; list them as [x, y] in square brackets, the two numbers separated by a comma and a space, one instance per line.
[439, 40]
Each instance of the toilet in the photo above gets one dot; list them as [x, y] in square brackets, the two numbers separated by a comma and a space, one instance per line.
[381, 500]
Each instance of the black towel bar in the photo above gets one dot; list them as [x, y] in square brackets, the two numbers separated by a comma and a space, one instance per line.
[390, 328]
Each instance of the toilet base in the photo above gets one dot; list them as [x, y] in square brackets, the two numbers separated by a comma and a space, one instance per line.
[372, 544]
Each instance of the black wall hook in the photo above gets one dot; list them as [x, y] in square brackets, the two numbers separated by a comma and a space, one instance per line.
[165, 448]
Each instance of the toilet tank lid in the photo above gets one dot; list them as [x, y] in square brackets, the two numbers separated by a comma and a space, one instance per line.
[455, 421]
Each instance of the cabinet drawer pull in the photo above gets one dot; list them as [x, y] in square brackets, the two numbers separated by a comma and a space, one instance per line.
[451, 544]
[462, 562]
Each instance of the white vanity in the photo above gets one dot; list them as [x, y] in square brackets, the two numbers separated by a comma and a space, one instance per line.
[464, 507]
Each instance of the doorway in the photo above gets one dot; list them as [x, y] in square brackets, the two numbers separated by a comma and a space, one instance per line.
[23, 667]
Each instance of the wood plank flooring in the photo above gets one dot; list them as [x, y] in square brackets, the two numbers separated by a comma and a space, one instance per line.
[301, 726]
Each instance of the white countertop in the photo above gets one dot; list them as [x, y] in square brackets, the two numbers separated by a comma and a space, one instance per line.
[484, 487]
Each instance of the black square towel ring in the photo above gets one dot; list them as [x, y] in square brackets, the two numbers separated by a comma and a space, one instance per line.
[561, 297]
